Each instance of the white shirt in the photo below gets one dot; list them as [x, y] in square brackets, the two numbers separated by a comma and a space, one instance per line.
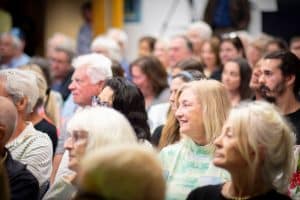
[34, 149]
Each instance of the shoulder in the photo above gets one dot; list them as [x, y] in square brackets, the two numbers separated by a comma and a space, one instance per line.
[206, 192]
[275, 195]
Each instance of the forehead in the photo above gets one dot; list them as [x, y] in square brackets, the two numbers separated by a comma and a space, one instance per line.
[270, 65]
[80, 73]
[187, 95]
[107, 92]
[227, 44]
[232, 66]
[178, 42]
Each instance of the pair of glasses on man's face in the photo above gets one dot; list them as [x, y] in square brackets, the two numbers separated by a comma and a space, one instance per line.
[96, 101]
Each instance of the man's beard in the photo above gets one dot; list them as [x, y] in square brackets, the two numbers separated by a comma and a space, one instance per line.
[277, 91]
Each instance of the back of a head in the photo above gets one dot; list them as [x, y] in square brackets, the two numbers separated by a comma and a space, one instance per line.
[189, 64]
[104, 126]
[251, 122]
[8, 118]
[20, 84]
[41, 82]
[98, 66]
[124, 173]
[129, 100]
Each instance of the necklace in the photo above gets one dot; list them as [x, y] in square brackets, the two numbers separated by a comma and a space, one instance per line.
[225, 193]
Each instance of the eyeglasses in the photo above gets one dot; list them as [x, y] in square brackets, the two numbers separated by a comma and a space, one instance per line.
[96, 101]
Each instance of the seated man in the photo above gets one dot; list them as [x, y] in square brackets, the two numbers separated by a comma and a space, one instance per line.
[22, 184]
[26, 144]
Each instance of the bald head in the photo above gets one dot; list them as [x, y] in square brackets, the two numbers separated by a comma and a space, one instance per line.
[8, 119]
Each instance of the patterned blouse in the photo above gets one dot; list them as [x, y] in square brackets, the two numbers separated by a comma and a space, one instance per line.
[187, 166]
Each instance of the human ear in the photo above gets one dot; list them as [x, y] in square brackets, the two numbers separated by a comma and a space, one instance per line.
[290, 79]
[21, 104]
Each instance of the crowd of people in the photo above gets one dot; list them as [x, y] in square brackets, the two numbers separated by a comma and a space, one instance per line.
[205, 114]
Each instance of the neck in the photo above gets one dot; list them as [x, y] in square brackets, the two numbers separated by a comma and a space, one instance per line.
[241, 186]
[21, 125]
[35, 118]
[234, 97]
[288, 103]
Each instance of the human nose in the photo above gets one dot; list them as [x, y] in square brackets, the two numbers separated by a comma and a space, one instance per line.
[69, 144]
[218, 141]
[178, 112]
[261, 78]
[71, 85]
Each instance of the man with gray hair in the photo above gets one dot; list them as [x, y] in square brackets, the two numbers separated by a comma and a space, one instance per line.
[62, 70]
[91, 71]
[198, 32]
[27, 145]
[9, 45]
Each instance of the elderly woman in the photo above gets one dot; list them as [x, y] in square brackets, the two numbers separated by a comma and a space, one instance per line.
[202, 108]
[90, 128]
[120, 173]
[258, 158]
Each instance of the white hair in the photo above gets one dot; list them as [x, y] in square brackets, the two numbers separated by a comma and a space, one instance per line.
[119, 35]
[108, 44]
[98, 67]
[19, 84]
[204, 30]
[16, 42]
[105, 126]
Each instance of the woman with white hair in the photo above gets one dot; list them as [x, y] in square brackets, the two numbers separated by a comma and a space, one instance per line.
[119, 172]
[255, 147]
[90, 128]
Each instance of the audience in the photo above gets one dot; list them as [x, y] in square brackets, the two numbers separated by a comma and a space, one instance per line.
[258, 158]
[91, 128]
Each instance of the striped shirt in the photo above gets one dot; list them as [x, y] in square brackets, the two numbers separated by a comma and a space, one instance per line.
[33, 149]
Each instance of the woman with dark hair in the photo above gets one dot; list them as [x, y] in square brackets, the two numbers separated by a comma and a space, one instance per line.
[231, 47]
[124, 96]
[236, 76]
[151, 78]
[146, 45]
[187, 64]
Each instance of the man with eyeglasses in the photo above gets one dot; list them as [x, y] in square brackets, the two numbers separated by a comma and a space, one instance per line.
[62, 70]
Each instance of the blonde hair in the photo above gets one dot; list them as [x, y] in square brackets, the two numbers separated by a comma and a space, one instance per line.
[126, 172]
[104, 126]
[262, 129]
[213, 98]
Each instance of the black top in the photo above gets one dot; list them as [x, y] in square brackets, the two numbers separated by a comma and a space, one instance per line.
[156, 135]
[214, 192]
[64, 86]
[48, 128]
[22, 184]
[294, 118]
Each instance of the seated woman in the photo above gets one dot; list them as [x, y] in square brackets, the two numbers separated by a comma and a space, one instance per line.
[202, 108]
[90, 128]
[124, 96]
[151, 78]
[125, 172]
[236, 76]
[255, 147]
